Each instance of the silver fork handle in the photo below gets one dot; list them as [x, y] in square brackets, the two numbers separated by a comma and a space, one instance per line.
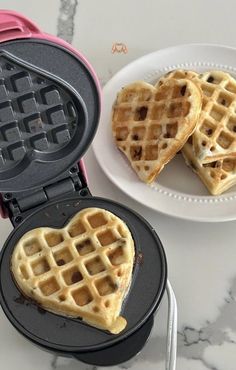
[171, 344]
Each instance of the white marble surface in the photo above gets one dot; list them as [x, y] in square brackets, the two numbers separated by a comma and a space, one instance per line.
[201, 257]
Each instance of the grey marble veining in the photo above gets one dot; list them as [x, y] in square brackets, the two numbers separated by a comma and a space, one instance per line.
[66, 18]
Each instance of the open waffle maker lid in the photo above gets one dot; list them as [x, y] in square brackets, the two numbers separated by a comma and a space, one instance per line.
[49, 110]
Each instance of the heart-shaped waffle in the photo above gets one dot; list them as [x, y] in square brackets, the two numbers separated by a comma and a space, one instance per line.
[83, 270]
[150, 125]
[218, 176]
[215, 134]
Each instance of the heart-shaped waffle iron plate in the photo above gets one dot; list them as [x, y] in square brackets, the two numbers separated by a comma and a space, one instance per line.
[48, 116]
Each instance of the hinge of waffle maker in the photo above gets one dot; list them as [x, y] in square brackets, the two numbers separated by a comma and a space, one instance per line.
[21, 204]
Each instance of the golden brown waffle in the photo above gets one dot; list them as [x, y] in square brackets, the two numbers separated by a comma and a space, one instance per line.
[83, 270]
[215, 134]
[151, 125]
[218, 176]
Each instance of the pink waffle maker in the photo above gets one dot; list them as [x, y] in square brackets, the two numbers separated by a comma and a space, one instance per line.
[49, 113]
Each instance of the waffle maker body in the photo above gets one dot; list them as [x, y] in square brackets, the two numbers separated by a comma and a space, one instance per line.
[49, 112]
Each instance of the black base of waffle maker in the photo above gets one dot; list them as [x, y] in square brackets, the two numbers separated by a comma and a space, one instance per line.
[120, 352]
[49, 112]
[73, 337]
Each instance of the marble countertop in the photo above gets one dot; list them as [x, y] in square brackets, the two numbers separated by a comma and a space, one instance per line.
[201, 257]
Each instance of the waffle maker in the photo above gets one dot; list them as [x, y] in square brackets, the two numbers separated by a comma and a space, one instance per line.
[49, 112]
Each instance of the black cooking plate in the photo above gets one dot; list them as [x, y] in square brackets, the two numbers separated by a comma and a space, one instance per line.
[59, 333]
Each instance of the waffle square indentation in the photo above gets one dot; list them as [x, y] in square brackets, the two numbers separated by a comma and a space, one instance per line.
[154, 132]
[117, 256]
[50, 95]
[229, 164]
[178, 109]
[163, 94]
[16, 151]
[72, 276]
[6, 112]
[207, 89]
[179, 91]
[54, 238]
[82, 296]
[61, 135]
[171, 130]
[225, 140]
[231, 87]
[122, 133]
[217, 113]
[40, 142]
[21, 82]
[140, 113]
[214, 79]
[136, 152]
[85, 247]
[107, 237]
[224, 99]
[24, 272]
[56, 115]
[27, 103]
[151, 152]
[76, 229]
[62, 257]
[49, 286]
[231, 125]
[138, 133]
[32, 247]
[130, 96]
[157, 112]
[40, 266]
[95, 266]
[11, 132]
[106, 286]
[123, 114]
[33, 123]
[96, 220]
[207, 128]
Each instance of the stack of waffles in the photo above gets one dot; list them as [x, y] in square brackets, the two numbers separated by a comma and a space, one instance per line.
[183, 110]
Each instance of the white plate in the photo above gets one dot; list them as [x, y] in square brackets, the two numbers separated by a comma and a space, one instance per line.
[178, 192]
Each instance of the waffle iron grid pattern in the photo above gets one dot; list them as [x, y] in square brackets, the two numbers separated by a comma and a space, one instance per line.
[90, 255]
[36, 114]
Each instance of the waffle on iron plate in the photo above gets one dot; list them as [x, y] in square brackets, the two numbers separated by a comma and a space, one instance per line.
[83, 270]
